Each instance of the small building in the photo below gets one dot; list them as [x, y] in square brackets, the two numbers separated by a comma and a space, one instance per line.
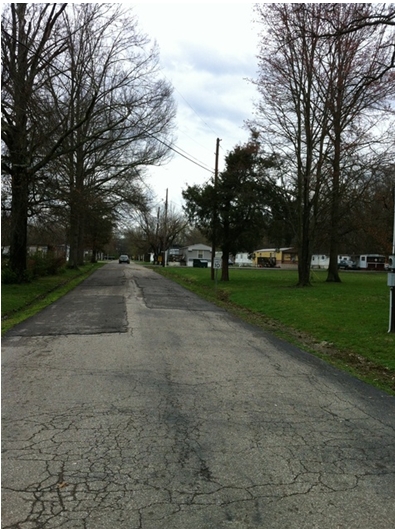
[195, 251]
[373, 261]
[243, 259]
[320, 261]
[269, 257]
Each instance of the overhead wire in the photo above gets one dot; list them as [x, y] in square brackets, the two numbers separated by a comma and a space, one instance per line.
[191, 107]
[186, 156]
[175, 149]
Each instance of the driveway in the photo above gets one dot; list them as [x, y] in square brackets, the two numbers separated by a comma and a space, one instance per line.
[132, 404]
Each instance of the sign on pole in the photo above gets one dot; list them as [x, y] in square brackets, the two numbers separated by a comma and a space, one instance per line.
[217, 263]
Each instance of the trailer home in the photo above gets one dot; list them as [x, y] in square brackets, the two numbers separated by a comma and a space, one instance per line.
[320, 261]
[371, 261]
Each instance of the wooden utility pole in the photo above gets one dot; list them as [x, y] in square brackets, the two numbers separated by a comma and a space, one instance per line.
[214, 242]
[165, 230]
[156, 256]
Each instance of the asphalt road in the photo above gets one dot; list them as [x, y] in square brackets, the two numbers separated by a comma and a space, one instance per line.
[132, 404]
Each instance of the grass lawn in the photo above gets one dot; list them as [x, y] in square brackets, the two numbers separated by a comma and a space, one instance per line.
[19, 302]
[345, 323]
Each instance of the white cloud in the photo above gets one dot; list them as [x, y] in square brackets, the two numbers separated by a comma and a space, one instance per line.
[207, 50]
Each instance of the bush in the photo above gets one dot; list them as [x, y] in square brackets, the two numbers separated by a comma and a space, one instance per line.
[56, 265]
[37, 266]
[8, 276]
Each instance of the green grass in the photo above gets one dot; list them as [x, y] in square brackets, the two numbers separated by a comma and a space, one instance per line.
[345, 323]
[19, 302]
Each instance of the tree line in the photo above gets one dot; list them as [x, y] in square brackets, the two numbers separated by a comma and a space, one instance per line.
[84, 112]
[321, 153]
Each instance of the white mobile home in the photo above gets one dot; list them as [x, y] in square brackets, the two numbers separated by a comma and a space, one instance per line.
[373, 261]
[320, 261]
[195, 251]
[243, 259]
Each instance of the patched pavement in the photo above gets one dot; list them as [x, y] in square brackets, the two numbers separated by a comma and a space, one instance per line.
[132, 404]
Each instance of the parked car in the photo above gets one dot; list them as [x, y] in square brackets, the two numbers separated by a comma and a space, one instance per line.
[124, 259]
[347, 264]
[200, 263]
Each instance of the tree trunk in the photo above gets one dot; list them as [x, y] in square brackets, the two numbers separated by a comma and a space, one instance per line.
[333, 272]
[225, 265]
[304, 264]
[304, 231]
[19, 215]
[76, 257]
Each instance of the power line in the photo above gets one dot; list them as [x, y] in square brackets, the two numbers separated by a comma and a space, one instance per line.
[187, 156]
[199, 164]
[187, 102]
[194, 158]
[190, 106]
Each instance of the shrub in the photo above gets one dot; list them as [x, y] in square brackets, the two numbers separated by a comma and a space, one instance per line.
[36, 265]
[8, 276]
[56, 265]
[39, 265]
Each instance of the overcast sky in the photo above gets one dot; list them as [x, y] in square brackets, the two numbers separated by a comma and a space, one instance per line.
[207, 51]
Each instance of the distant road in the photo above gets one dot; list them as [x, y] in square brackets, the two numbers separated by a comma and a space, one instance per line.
[132, 404]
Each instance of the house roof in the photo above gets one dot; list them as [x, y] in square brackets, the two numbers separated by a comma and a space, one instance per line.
[273, 249]
[192, 247]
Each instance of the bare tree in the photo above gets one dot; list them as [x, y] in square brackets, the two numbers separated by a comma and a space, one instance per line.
[316, 96]
[355, 82]
[161, 229]
[81, 91]
[133, 111]
[28, 48]
[365, 15]
[288, 115]
[372, 218]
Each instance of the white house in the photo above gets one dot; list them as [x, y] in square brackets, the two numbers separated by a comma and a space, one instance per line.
[196, 251]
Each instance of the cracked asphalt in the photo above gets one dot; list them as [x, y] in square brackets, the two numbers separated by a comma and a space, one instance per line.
[132, 404]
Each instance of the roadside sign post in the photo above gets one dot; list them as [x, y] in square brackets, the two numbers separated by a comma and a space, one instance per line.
[391, 284]
[217, 266]
[391, 278]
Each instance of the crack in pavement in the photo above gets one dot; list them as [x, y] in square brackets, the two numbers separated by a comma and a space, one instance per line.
[173, 424]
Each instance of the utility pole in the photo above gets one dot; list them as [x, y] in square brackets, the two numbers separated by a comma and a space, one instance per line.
[165, 230]
[214, 242]
[156, 256]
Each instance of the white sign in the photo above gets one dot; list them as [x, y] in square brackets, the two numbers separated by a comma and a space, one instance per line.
[217, 263]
